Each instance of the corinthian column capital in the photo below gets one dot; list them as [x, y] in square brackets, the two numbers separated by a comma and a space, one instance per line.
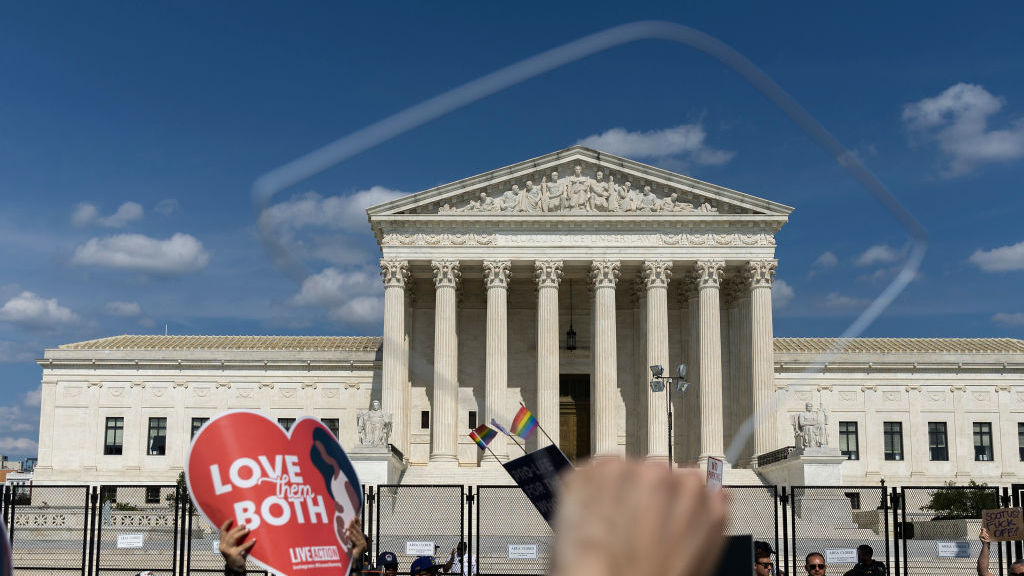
[446, 273]
[761, 273]
[497, 273]
[394, 272]
[604, 273]
[709, 273]
[656, 273]
[547, 273]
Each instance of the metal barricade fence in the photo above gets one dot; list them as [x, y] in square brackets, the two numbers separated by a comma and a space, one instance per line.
[834, 520]
[755, 510]
[512, 537]
[940, 527]
[48, 526]
[419, 514]
[137, 529]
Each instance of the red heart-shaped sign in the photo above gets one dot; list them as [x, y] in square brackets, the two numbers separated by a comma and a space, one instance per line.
[295, 490]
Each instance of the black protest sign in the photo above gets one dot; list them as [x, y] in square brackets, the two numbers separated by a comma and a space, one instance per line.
[537, 474]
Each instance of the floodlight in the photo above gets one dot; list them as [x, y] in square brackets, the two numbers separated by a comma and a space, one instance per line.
[657, 370]
[681, 371]
[682, 385]
[657, 386]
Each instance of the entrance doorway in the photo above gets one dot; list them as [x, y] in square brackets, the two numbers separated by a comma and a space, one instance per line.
[574, 416]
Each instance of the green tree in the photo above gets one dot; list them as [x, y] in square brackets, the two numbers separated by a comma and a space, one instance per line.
[961, 502]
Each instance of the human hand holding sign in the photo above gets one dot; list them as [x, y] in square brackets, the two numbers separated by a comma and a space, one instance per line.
[617, 517]
[231, 546]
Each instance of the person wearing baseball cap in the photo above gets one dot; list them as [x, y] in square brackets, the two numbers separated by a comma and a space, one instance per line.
[423, 566]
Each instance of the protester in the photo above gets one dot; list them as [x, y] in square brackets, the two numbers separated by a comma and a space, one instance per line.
[458, 559]
[1015, 568]
[764, 565]
[423, 566]
[866, 565]
[235, 552]
[616, 517]
[815, 564]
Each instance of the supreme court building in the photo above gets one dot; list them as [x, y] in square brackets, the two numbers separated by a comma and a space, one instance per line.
[557, 282]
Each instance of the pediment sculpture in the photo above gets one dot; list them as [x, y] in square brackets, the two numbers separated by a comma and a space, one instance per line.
[578, 193]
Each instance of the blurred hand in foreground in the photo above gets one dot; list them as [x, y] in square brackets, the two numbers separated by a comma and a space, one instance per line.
[617, 517]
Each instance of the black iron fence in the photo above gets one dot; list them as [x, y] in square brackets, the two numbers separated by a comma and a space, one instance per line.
[120, 530]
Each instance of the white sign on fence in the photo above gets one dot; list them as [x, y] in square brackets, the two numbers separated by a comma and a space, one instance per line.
[522, 551]
[953, 549]
[130, 540]
[841, 556]
[419, 548]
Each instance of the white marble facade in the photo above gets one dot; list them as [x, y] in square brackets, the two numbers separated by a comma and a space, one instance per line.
[482, 279]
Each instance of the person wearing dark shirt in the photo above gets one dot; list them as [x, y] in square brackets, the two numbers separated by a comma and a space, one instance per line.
[866, 565]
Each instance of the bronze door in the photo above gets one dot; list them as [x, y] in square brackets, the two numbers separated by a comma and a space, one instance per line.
[574, 416]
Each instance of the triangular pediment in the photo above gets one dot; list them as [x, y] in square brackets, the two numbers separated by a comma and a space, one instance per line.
[579, 181]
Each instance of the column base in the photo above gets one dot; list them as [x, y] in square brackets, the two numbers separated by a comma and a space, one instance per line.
[444, 460]
[660, 458]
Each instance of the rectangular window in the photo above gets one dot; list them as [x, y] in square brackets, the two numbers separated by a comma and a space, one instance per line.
[937, 446]
[332, 425]
[108, 494]
[983, 441]
[472, 419]
[152, 494]
[848, 440]
[197, 423]
[113, 440]
[157, 444]
[893, 432]
[425, 419]
[286, 423]
[1020, 440]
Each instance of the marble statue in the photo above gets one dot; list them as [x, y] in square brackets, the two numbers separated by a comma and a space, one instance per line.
[374, 426]
[810, 428]
[579, 193]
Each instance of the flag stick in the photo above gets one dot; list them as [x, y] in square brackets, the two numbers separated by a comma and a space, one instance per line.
[501, 429]
[539, 426]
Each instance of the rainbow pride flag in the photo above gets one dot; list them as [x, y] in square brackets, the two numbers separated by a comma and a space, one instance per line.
[524, 423]
[483, 435]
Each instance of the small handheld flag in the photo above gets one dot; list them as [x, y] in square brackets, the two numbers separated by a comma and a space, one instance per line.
[499, 427]
[524, 423]
[483, 435]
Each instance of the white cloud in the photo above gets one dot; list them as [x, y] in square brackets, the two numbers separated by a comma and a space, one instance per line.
[1010, 319]
[335, 212]
[18, 446]
[18, 351]
[13, 420]
[826, 260]
[880, 254]
[32, 311]
[179, 254]
[86, 213]
[127, 309]
[836, 300]
[1003, 259]
[957, 119]
[782, 293]
[685, 140]
[352, 297]
[167, 207]
[33, 397]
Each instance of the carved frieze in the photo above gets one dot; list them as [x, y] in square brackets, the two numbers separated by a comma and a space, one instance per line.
[470, 239]
[578, 193]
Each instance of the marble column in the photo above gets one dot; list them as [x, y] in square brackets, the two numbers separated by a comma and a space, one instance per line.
[692, 402]
[604, 274]
[656, 274]
[548, 274]
[395, 369]
[446, 363]
[496, 277]
[760, 274]
[709, 278]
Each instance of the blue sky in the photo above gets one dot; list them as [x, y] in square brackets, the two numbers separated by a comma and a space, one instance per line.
[131, 134]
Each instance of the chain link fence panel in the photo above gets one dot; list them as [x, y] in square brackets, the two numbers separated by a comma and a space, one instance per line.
[48, 526]
[835, 520]
[137, 529]
[409, 519]
[940, 529]
[511, 536]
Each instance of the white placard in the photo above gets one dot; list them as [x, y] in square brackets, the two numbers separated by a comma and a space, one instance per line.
[953, 549]
[216, 547]
[130, 540]
[419, 548]
[716, 468]
[841, 556]
[522, 551]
